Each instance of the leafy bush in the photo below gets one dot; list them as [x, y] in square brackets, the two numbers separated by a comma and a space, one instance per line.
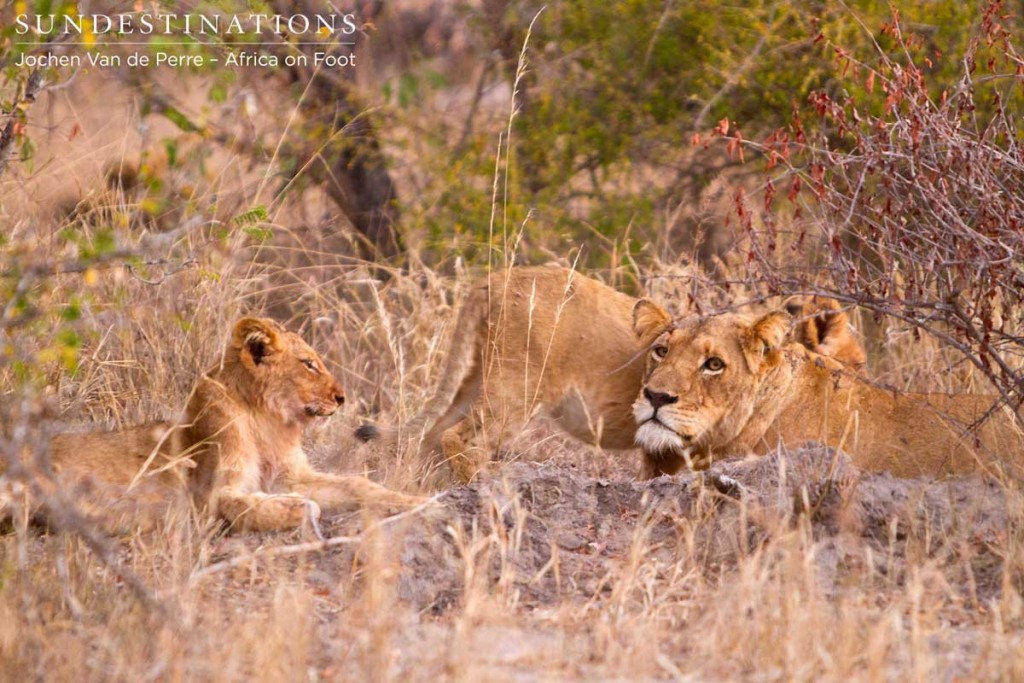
[915, 189]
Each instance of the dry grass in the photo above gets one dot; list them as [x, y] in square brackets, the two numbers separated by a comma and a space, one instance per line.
[703, 601]
[541, 573]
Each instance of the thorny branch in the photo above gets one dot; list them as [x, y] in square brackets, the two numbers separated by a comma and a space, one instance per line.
[15, 117]
[916, 201]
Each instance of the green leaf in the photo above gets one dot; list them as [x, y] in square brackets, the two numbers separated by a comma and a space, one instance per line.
[259, 234]
[256, 214]
[72, 312]
[179, 119]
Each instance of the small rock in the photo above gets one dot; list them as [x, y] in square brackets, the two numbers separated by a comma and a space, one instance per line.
[570, 541]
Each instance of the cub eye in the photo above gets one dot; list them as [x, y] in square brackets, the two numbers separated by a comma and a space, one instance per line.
[714, 364]
[310, 365]
[659, 351]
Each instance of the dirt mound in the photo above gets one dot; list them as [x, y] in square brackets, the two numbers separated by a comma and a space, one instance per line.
[556, 535]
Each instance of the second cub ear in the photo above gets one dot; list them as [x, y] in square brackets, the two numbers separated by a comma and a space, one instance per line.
[650, 319]
[762, 340]
[256, 338]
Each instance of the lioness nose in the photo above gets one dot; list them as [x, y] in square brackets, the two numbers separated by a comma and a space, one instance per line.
[658, 399]
[339, 397]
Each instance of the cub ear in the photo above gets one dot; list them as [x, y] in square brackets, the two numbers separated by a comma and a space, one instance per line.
[650, 319]
[762, 340]
[256, 338]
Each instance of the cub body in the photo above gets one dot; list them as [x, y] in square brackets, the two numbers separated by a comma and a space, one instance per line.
[238, 450]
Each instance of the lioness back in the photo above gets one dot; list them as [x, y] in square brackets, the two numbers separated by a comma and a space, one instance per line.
[528, 339]
[557, 340]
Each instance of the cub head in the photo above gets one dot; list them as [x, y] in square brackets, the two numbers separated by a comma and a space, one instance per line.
[823, 327]
[702, 377]
[286, 376]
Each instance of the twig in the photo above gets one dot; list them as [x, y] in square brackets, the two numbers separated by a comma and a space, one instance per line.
[308, 547]
[31, 274]
[178, 267]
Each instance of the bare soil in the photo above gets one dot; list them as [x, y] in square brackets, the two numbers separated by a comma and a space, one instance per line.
[540, 570]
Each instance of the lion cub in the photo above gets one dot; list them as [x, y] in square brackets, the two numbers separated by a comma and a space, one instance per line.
[238, 449]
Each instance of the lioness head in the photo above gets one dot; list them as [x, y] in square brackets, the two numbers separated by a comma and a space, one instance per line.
[287, 377]
[702, 377]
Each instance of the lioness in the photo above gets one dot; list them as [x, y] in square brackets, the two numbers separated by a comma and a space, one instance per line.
[730, 385]
[239, 445]
[528, 339]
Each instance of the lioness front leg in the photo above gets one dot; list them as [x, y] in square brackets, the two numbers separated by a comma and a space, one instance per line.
[334, 492]
[652, 466]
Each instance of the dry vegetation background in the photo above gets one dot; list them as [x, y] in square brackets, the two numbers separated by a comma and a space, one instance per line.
[879, 162]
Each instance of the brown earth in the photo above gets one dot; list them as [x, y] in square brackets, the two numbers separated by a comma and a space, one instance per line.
[521, 574]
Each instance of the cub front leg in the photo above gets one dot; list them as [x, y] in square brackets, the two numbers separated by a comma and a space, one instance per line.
[334, 492]
[260, 511]
[462, 453]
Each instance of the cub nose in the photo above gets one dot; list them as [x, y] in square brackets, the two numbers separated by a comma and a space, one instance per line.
[339, 397]
[658, 399]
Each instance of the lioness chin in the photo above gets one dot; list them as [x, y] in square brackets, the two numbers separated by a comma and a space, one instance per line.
[238, 449]
[548, 339]
[726, 385]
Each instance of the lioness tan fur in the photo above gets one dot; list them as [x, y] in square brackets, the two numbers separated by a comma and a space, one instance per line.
[239, 446]
[540, 339]
[729, 385]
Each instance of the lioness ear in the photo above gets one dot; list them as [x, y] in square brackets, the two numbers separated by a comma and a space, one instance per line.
[650, 319]
[817, 319]
[256, 338]
[796, 306]
[762, 340]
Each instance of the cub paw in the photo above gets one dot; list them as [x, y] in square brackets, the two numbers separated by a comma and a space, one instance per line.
[297, 510]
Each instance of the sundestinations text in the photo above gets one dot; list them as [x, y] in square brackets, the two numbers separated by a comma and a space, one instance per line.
[145, 23]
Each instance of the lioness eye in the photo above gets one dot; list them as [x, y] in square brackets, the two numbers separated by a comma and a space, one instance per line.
[310, 365]
[660, 351]
[714, 364]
